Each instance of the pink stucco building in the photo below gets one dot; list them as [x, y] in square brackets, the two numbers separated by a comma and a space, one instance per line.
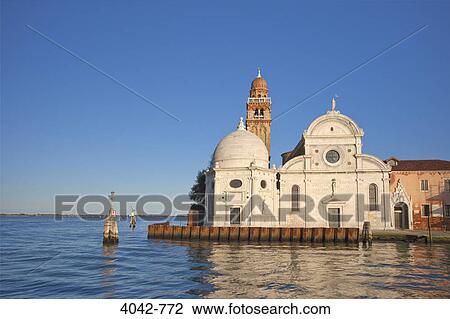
[420, 189]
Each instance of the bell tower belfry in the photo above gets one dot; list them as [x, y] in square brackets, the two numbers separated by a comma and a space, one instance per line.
[259, 109]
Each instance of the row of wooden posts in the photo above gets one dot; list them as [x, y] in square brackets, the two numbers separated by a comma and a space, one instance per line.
[253, 234]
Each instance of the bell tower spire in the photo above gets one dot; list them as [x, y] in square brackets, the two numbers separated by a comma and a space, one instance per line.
[259, 110]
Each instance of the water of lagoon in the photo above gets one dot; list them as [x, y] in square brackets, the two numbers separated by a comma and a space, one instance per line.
[44, 258]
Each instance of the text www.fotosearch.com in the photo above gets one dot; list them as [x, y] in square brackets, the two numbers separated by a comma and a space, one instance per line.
[242, 309]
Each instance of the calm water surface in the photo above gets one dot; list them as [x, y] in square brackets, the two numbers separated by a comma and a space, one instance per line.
[42, 258]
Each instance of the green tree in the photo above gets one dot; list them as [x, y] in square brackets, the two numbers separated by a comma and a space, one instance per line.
[197, 193]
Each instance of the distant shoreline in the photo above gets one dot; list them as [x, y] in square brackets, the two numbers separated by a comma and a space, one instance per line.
[84, 216]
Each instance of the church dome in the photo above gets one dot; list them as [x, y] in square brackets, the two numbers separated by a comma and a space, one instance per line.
[240, 149]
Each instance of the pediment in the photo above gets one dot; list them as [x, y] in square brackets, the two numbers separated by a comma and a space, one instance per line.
[399, 195]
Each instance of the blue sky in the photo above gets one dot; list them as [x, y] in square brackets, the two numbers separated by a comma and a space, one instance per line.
[67, 128]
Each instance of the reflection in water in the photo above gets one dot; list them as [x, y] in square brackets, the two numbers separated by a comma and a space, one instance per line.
[108, 270]
[386, 270]
[199, 260]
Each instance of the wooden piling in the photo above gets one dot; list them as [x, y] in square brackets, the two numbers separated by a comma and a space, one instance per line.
[244, 234]
[430, 237]
[186, 233]
[110, 229]
[275, 234]
[214, 233]
[285, 234]
[329, 235]
[340, 235]
[177, 231]
[167, 231]
[195, 232]
[317, 235]
[264, 234]
[366, 234]
[252, 234]
[151, 232]
[296, 234]
[204, 232]
[307, 235]
[224, 233]
[158, 231]
[352, 235]
[234, 233]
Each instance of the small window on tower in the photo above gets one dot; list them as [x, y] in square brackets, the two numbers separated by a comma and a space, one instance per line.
[261, 112]
[256, 112]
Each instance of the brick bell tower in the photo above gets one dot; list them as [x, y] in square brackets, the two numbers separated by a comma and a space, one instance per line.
[259, 109]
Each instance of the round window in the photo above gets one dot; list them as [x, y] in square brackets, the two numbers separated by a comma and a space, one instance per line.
[263, 184]
[332, 156]
[236, 183]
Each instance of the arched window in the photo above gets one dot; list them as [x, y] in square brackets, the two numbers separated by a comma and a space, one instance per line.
[373, 197]
[256, 112]
[295, 198]
[261, 112]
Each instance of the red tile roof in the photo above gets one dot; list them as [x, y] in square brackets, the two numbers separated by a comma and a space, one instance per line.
[420, 165]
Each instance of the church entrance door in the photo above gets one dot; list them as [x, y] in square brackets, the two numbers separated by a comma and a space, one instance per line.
[401, 216]
[235, 215]
[334, 217]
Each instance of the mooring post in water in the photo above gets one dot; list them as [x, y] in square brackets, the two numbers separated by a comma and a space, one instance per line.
[132, 219]
[366, 234]
[110, 228]
[430, 239]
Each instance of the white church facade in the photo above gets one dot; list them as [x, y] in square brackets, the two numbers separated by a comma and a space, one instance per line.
[325, 181]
